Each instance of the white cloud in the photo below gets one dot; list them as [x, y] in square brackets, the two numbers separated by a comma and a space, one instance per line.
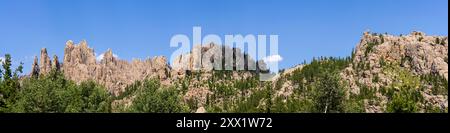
[273, 58]
[100, 57]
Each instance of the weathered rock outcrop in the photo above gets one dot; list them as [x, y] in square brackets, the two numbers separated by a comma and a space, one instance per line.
[115, 74]
[35, 68]
[204, 60]
[287, 87]
[80, 65]
[55, 63]
[45, 64]
[417, 53]
[384, 64]
[213, 57]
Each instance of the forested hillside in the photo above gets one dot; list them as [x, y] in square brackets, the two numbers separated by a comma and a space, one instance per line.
[384, 73]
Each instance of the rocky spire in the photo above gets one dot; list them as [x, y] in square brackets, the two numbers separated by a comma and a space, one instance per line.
[108, 57]
[417, 33]
[35, 68]
[83, 43]
[55, 63]
[78, 54]
[68, 49]
[45, 64]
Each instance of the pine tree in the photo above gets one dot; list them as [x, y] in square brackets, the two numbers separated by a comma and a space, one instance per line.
[9, 85]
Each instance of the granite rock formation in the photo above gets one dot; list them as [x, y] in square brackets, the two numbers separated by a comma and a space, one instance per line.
[79, 64]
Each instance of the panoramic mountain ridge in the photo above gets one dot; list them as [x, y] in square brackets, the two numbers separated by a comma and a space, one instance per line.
[385, 73]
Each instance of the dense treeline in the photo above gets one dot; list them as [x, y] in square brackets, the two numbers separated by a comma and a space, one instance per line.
[151, 97]
[320, 88]
[9, 84]
[317, 88]
[51, 93]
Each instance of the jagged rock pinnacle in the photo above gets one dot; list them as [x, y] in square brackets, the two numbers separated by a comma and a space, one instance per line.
[55, 63]
[45, 64]
[35, 68]
[79, 64]
[108, 57]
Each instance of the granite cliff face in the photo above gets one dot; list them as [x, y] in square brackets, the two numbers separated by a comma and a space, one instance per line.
[379, 58]
[381, 63]
[79, 64]
[211, 57]
[207, 62]
[418, 53]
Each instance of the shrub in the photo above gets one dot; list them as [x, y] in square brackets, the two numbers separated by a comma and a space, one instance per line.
[404, 94]
[329, 95]
[404, 101]
[151, 98]
[9, 84]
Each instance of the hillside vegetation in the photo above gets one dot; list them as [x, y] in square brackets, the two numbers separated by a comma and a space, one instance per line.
[385, 73]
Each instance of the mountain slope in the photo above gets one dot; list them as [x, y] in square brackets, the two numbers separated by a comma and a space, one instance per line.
[385, 73]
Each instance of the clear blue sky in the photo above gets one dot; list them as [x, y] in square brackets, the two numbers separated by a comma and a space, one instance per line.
[141, 28]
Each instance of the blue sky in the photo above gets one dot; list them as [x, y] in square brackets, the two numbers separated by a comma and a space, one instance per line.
[142, 28]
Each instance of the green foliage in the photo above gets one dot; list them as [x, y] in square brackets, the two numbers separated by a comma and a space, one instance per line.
[435, 109]
[382, 62]
[437, 41]
[353, 105]
[95, 98]
[366, 92]
[443, 41]
[231, 95]
[404, 101]
[353, 54]
[129, 90]
[151, 98]
[404, 92]
[222, 74]
[369, 48]
[252, 103]
[278, 106]
[420, 39]
[49, 93]
[192, 104]
[245, 84]
[376, 79]
[317, 89]
[438, 84]
[318, 69]
[53, 93]
[405, 60]
[9, 84]
[300, 105]
[329, 95]
[320, 89]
